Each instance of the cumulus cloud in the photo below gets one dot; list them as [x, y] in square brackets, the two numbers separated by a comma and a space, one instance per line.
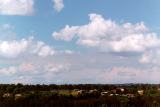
[16, 48]
[43, 50]
[145, 58]
[110, 36]
[53, 68]
[13, 48]
[69, 52]
[16, 7]
[28, 72]
[132, 75]
[58, 5]
[79, 68]
[8, 71]
[26, 67]
[152, 56]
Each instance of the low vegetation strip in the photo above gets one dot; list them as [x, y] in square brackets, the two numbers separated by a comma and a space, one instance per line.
[128, 95]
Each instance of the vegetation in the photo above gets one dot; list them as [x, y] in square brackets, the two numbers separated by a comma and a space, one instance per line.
[79, 95]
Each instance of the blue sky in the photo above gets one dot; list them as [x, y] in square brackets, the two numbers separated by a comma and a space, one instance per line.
[79, 41]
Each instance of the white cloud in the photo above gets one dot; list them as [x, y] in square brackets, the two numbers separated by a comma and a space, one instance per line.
[8, 71]
[145, 58]
[67, 33]
[109, 36]
[134, 43]
[43, 50]
[53, 68]
[79, 68]
[58, 5]
[69, 52]
[152, 56]
[16, 48]
[16, 7]
[131, 75]
[26, 67]
[36, 72]
[13, 48]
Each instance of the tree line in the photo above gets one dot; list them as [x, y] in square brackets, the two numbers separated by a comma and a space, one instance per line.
[47, 96]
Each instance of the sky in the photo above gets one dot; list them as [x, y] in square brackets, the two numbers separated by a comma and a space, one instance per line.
[79, 41]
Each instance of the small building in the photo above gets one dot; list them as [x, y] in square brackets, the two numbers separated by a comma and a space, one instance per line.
[79, 92]
[119, 90]
[140, 92]
[122, 89]
[116, 94]
[93, 91]
[7, 95]
[17, 96]
[104, 93]
[111, 94]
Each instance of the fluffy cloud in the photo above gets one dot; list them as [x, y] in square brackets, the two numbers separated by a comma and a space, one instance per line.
[132, 75]
[53, 68]
[58, 5]
[26, 67]
[43, 50]
[78, 68]
[11, 47]
[15, 48]
[8, 71]
[16, 7]
[109, 36]
[33, 72]
[152, 56]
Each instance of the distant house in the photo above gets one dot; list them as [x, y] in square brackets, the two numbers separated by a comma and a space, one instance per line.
[119, 90]
[17, 96]
[7, 95]
[116, 94]
[104, 93]
[122, 89]
[140, 92]
[111, 94]
[158, 89]
[93, 91]
[80, 92]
